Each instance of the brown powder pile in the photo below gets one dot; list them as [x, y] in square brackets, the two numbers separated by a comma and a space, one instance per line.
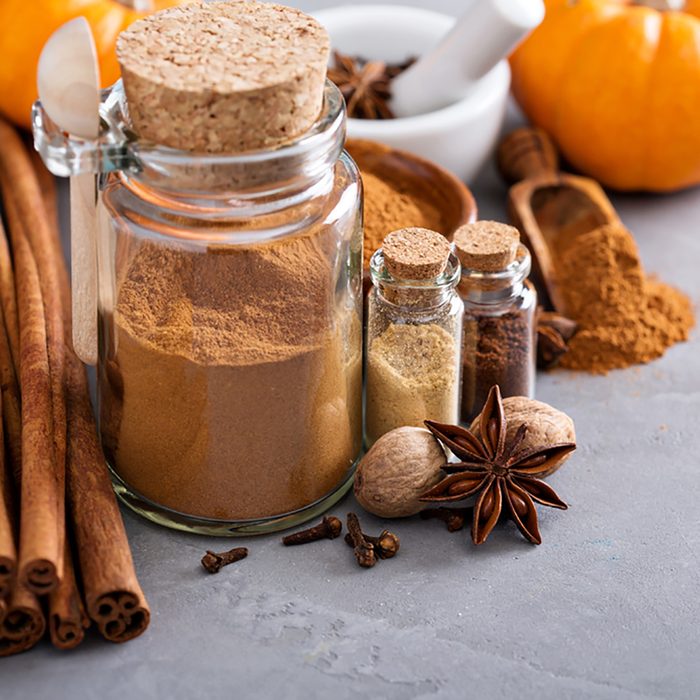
[389, 207]
[624, 317]
[233, 390]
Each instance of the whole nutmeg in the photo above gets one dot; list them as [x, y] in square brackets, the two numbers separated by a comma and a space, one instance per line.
[546, 425]
[401, 466]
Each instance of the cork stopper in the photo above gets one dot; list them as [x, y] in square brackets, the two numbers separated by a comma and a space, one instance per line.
[415, 253]
[224, 77]
[487, 246]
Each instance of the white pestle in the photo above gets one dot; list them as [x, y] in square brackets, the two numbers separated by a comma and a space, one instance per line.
[68, 83]
[483, 36]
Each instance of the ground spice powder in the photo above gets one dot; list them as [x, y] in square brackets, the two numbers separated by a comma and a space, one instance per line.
[625, 318]
[389, 207]
[220, 357]
[410, 377]
[496, 350]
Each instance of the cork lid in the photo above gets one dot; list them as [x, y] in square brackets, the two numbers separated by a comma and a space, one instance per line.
[415, 253]
[487, 246]
[224, 77]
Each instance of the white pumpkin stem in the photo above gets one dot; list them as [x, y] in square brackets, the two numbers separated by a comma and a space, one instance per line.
[138, 5]
[663, 5]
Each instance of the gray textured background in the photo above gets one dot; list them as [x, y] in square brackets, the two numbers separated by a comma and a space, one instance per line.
[607, 607]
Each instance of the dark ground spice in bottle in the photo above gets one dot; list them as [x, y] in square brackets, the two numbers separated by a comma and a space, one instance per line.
[499, 342]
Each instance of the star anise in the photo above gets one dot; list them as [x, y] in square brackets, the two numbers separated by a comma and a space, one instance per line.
[554, 332]
[497, 472]
[365, 85]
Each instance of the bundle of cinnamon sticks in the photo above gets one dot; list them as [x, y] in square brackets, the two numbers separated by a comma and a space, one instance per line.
[65, 560]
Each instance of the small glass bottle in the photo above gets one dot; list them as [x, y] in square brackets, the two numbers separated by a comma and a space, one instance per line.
[499, 342]
[414, 328]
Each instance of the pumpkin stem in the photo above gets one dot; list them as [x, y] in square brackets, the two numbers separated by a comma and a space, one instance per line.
[663, 5]
[138, 5]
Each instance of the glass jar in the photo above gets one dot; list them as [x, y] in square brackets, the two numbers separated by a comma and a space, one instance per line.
[412, 356]
[499, 344]
[230, 351]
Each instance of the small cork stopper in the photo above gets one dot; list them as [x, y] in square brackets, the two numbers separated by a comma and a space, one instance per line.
[487, 246]
[415, 253]
[224, 77]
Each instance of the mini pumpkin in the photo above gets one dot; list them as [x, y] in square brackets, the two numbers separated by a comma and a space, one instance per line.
[26, 25]
[616, 83]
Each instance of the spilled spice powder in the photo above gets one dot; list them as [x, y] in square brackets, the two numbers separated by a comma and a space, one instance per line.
[391, 206]
[624, 317]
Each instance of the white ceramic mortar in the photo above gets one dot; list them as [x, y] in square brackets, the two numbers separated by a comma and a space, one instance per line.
[459, 137]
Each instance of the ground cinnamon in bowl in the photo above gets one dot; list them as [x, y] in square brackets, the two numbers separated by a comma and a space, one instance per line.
[402, 190]
[624, 317]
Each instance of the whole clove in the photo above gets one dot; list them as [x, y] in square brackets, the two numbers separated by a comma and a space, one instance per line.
[454, 518]
[364, 550]
[328, 529]
[385, 546]
[213, 562]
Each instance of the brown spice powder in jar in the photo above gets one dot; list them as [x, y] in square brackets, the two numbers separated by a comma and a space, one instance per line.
[496, 350]
[223, 357]
[499, 333]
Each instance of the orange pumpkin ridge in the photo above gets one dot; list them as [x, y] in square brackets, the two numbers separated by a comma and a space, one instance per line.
[26, 25]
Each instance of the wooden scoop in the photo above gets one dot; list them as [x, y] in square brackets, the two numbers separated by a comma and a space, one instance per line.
[547, 204]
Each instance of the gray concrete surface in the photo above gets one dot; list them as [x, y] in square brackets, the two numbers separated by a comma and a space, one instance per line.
[607, 607]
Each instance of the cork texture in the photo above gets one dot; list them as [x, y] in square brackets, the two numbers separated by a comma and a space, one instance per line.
[224, 77]
[487, 246]
[415, 253]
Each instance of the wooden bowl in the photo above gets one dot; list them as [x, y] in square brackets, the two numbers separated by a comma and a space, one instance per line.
[431, 182]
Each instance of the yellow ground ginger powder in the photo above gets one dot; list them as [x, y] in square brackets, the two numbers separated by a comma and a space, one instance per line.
[410, 377]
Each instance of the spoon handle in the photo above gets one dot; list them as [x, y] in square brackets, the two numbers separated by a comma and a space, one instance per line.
[485, 34]
[84, 266]
[526, 153]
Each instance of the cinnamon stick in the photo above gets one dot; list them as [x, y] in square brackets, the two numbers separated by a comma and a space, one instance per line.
[27, 216]
[67, 618]
[12, 416]
[8, 301]
[41, 518]
[8, 552]
[24, 624]
[113, 596]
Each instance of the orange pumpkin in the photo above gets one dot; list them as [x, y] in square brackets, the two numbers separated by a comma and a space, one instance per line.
[617, 85]
[25, 25]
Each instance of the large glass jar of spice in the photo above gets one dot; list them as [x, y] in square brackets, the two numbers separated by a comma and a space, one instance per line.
[230, 262]
[413, 337]
[500, 304]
